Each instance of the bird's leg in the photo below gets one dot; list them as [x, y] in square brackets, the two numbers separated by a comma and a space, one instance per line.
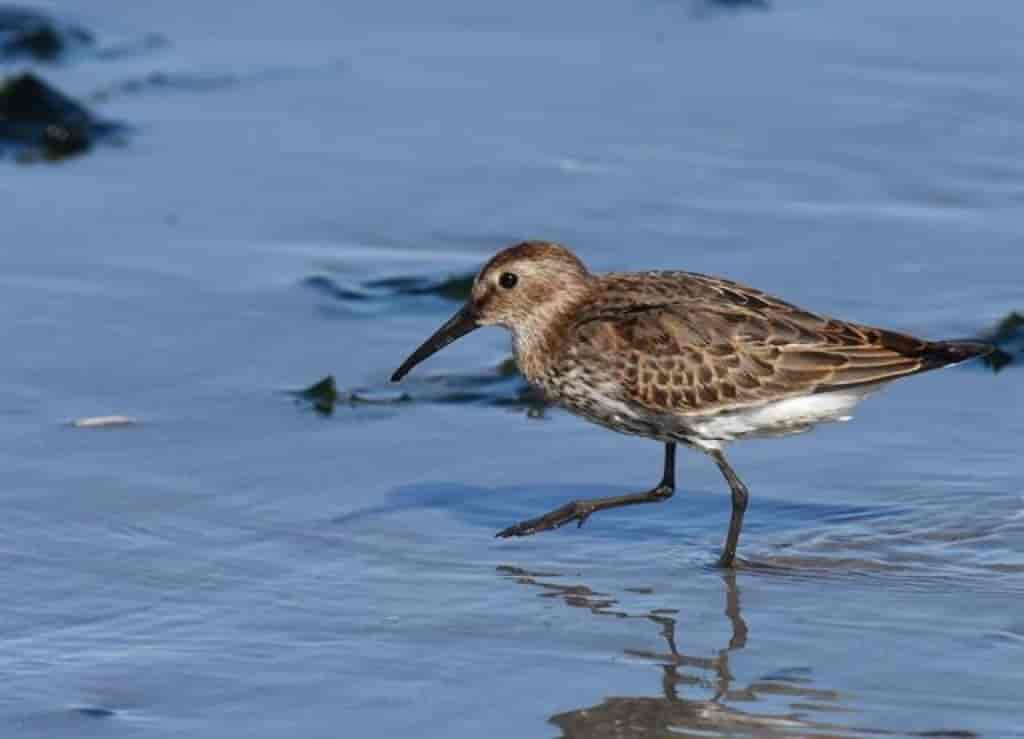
[740, 495]
[580, 510]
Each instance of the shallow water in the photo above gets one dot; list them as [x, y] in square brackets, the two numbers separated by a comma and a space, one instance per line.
[236, 564]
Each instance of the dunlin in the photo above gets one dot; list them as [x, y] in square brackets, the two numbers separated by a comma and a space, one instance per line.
[678, 357]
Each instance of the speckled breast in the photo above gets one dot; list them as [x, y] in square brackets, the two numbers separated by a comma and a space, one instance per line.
[594, 395]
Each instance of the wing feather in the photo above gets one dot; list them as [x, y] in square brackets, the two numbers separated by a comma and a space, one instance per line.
[690, 344]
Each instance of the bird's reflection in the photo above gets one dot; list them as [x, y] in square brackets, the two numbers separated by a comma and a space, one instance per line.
[673, 714]
[717, 667]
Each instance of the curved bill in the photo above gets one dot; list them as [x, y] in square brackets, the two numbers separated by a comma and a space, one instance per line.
[458, 325]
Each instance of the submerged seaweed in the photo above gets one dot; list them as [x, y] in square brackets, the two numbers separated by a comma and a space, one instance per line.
[500, 386]
[323, 396]
[160, 81]
[27, 33]
[703, 8]
[1008, 338]
[450, 287]
[37, 36]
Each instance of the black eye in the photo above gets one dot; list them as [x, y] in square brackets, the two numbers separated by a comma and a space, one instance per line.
[508, 280]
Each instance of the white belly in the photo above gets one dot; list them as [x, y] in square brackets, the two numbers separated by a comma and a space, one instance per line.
[781, 417]
[600, 404]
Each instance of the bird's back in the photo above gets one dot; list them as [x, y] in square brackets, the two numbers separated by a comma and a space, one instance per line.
[647, 347]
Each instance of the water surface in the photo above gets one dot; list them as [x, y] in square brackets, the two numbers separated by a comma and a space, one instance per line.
[235, 563]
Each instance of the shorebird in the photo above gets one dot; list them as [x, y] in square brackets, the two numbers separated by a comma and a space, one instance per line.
[678, 357]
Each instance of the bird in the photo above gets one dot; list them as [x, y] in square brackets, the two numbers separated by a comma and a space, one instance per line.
[681, 358]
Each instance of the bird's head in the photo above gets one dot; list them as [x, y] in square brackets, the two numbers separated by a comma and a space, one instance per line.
[523, 288]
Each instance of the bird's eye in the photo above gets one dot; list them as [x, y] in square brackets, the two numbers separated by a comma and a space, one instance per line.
[508, 280]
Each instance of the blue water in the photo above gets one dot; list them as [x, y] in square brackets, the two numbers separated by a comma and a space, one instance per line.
[236, 564]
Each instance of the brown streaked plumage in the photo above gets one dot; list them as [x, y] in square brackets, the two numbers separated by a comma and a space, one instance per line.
[678, 357]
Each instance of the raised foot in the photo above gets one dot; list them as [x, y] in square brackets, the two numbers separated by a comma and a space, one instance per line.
[575, 511]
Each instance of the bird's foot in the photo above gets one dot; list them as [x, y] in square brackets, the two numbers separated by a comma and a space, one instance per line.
[577, 510]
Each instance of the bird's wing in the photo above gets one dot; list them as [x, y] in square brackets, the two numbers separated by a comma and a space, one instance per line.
[708, 345]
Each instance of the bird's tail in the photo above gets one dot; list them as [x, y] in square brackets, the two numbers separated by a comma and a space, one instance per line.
[945, 353]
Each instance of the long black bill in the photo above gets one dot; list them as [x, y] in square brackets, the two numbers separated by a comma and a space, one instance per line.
[458, 325]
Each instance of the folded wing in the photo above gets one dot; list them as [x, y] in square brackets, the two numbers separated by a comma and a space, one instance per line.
[704, 345]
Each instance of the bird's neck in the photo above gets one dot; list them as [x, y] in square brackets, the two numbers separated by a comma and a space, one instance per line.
[538, 342]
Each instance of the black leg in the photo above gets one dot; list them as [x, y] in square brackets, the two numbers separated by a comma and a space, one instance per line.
[740, 496]
[580, 510]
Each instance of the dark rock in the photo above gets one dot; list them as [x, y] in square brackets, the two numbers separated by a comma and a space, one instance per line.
[64, 141]
[34, 34]
[38, 121]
